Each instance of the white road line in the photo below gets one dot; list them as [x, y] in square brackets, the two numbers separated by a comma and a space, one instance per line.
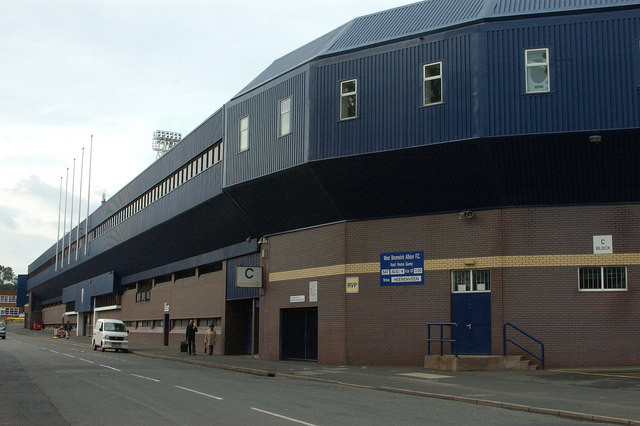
[146, 378]
[106, 366]
[200, 393]
[86, 360]
[70, 356]
[55, 352]
[283, 417]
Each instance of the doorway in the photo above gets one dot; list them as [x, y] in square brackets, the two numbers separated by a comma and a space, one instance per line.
[472, 313]
[299, 334]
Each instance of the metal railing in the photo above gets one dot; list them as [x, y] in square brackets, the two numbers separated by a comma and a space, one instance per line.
[453, 339]
[505, 340]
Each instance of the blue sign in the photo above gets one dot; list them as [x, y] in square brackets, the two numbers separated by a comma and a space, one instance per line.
[402, 268]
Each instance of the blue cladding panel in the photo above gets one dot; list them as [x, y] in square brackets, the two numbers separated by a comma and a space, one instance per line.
[23, 293]
[294, 59]
[390, 97]
[592, 58]
[234, 292]
[512, 7]
[82, 292]
[268, 152]
[407, 20]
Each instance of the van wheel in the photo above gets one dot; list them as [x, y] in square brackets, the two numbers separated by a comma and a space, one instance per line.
[102, 346]
[93, 345]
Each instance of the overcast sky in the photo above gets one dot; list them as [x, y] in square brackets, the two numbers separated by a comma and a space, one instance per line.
[118, 70]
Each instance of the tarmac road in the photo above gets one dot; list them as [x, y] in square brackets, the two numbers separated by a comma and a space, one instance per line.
[602, 395]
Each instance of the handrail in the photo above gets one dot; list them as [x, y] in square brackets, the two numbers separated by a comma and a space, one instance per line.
[505, 340]
[454, 341]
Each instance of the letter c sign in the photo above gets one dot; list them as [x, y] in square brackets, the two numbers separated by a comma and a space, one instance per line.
[248, 273]
[249, 276]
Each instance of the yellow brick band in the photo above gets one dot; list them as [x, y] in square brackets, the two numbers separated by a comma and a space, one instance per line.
[537, 261]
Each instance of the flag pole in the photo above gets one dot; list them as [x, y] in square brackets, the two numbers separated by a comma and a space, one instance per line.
[73, 186]
[86, 230]
[79, 205]
[59, 213]
[64, 225]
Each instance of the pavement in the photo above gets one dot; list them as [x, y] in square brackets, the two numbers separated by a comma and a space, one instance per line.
[603, 395]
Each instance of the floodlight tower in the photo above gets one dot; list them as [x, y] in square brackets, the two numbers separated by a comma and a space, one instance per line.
[163, 141]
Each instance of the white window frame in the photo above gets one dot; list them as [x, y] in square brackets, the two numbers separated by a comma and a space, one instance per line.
[244, 134]
[285, 117]
[528, 65]
[473, 286]
[602, 279]
[343, 98]
[428, 80]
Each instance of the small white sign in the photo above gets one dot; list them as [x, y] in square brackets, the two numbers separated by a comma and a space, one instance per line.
[602, 244]
[353, 285]
[313, 291]
[166, 307]
[296, 299]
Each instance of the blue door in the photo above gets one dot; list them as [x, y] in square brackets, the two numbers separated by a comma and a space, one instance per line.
[472, 313]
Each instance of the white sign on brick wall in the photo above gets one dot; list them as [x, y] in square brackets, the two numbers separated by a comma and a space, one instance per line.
[602, 244]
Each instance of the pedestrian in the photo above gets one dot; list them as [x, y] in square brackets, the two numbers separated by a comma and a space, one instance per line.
[210, 340]
[192, 329]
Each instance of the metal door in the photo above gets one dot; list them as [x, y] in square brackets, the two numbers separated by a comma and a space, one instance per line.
[299, 334]
[472, 313]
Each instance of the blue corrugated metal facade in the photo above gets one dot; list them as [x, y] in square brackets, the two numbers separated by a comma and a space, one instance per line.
[81, 293]
[390, 112]
[233, 291]
[268, 152]
[595, 57]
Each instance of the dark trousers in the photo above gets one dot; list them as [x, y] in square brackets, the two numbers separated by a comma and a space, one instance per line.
[191, 346]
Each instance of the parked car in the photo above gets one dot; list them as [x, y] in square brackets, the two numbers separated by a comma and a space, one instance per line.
[3, 330]
[110, 334]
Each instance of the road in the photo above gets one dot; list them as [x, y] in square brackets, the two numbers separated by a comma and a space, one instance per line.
[57, 383]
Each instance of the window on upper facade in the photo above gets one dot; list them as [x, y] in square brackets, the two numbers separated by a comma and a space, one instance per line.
[595, 278]
[537, 70]
[244, 134]
[475, 280]
[432, 83]
[217, 152]
[348, 99]
[285, 116]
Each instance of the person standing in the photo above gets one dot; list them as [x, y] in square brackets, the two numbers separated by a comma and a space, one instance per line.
[210, 340]
[192, 329]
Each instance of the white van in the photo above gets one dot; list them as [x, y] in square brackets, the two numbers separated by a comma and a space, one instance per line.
[110, 334]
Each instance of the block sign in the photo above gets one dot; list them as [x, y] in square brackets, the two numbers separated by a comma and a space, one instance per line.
[602, 244]
[405, 268]
[249, 276]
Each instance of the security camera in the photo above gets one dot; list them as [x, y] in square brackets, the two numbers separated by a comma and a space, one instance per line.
[467, 214]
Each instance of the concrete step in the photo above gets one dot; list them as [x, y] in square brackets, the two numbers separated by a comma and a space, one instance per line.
[477, 362]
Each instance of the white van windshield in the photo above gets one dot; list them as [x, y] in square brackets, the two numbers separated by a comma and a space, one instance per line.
[114, 326]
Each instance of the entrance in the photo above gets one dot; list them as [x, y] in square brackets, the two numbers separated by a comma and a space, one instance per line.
[299, 334]
[472, 313]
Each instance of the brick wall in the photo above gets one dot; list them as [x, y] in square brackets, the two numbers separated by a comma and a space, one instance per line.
[192, 297]
[533, 255]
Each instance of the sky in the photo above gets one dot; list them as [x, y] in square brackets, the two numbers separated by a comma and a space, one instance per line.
[118, 70]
